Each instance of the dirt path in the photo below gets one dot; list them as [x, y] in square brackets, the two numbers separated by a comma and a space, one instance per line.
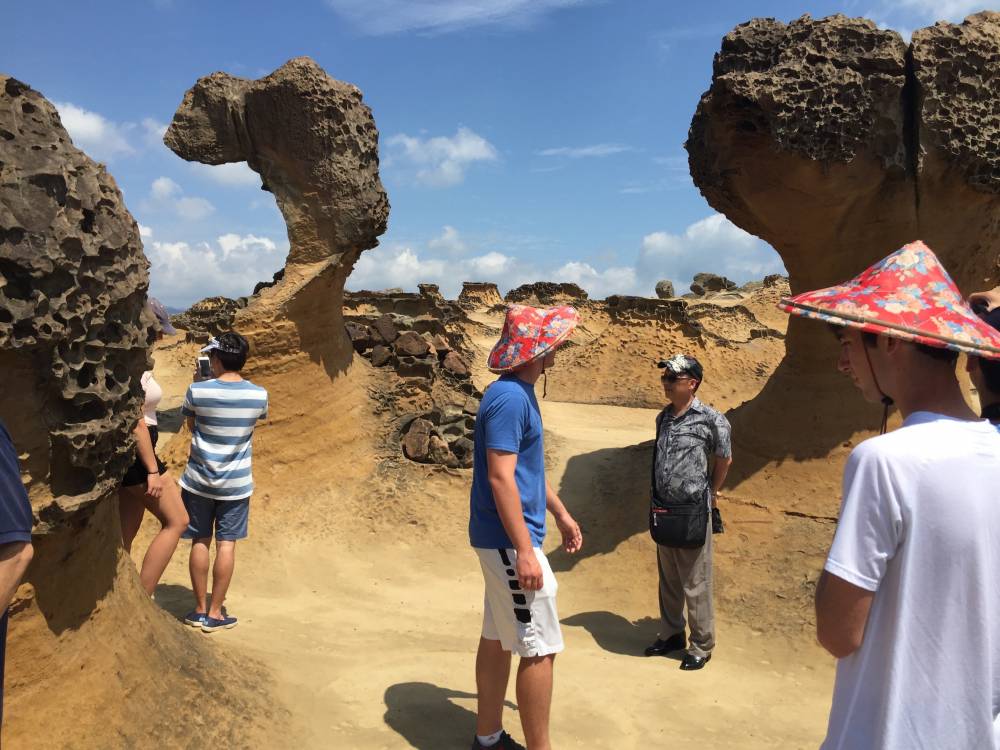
[371, 639]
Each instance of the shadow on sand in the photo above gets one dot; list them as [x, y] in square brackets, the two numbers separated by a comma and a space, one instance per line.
[617, 635]
[607, 491]
[425, 716]
[174, 599]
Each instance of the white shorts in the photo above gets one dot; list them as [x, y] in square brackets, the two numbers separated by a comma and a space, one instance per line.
[525, 622]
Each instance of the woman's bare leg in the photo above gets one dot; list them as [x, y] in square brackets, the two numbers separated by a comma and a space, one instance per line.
[169, 511]
[131, 506]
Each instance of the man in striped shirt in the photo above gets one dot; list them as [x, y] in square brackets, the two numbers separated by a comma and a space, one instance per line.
[217, 483]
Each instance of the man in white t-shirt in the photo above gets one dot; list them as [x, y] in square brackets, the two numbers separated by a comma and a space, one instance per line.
[909, 600]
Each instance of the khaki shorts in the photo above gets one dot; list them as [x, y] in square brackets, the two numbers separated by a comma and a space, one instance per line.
[525, 622]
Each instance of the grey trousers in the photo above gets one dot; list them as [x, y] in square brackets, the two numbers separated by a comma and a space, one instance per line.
[686, 578]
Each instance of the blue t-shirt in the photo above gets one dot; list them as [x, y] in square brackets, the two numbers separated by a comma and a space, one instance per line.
[508, 420]
[15, 510]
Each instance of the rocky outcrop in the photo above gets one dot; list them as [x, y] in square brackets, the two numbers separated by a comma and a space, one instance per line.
[665, 289]
[212, 315]
[73, 344]
[837, 143]
[314, 143]
[705, 283]
[478, 294]
[546, 293]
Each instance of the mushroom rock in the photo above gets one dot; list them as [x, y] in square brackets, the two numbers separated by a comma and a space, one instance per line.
[837, 143]
[314, 143]
[74, 342]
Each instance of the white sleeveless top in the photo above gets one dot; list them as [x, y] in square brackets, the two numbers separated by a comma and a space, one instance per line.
[154, 394]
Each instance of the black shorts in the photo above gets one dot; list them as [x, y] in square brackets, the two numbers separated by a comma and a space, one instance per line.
[137, 472]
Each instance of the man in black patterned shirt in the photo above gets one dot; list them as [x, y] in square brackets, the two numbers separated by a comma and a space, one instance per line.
[688, 435]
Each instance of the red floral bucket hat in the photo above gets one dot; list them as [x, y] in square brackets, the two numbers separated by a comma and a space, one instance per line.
[907, 295]
[529, 333]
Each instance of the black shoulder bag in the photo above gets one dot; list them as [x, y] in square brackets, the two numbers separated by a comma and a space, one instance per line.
[680, 525]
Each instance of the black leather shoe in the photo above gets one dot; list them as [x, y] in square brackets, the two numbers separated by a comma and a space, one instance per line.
[692, 662]
[676, 642]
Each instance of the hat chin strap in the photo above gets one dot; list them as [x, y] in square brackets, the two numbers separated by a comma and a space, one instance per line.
[886, 400]
[545, 379]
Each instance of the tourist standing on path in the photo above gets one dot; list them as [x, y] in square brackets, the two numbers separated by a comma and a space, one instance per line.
[909, 600]
[146, 485]
[684, 513]
[509, 497]
[15, 537]
[985, 373]
[217, 482]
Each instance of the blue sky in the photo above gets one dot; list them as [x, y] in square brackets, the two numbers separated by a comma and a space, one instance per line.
[520, 139]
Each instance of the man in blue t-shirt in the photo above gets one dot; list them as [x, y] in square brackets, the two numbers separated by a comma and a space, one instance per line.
[15, 536]
[507, 527]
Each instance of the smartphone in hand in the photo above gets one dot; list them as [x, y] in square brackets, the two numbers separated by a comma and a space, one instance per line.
[204, 368]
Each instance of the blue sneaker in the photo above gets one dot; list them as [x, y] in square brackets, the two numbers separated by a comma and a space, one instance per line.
[211, 624]
[195, 619]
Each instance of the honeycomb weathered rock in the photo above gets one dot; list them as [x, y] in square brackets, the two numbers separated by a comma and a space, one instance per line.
[73, 336]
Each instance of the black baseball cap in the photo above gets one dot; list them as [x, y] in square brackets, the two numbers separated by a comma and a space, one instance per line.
[681, 363]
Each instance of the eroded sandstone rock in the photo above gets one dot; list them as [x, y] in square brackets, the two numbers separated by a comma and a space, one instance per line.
[476, 294]
[212, 315]
[836, 143]
[73, 336]
[546, 293]
[664, 289]
[73, 345]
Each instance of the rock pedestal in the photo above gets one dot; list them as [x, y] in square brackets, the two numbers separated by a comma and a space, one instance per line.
[837, 143]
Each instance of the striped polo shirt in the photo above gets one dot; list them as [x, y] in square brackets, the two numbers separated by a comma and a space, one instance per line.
[224, 417]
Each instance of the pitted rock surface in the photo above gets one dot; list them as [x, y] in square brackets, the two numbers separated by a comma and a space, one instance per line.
[73, 335]
[479, 294]
[212, 315]
[837, 144]
[664, 289]
[546, 293]
[313, 142]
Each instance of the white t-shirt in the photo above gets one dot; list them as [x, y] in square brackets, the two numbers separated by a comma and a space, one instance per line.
[154, 394]
[920, 526]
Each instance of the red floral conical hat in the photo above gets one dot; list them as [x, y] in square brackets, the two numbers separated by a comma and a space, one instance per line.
[529, 333]
[907, 295]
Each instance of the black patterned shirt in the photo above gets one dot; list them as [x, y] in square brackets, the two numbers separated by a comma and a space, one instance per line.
[683, 447]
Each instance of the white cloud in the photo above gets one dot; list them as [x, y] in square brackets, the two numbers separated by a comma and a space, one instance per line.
[165, 195]
[713, 244]
[153, 131]
[439, 161]
[936, 10]
[401, 266]
[584, 152]
[163, 188]
[237, 174]
[394, 16]
[182, 273]
[449, 242]
[99, 137]
[234, 244]
[193, 209]
[599, 284]
[145, 232]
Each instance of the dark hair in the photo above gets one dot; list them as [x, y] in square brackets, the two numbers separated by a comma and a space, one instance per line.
[991, 374]
[233, 351]
[939, 353]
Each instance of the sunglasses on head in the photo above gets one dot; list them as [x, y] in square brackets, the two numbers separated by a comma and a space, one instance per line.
[671, 377]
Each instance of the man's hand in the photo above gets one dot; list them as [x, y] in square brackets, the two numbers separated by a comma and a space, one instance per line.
[529, 571]
[572, 537]
[154, 485]
[990, 299]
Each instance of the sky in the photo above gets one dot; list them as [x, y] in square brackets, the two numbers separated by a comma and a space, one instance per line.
[520, 140]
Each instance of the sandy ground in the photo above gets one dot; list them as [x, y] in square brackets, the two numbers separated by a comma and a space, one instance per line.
[370, 632]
